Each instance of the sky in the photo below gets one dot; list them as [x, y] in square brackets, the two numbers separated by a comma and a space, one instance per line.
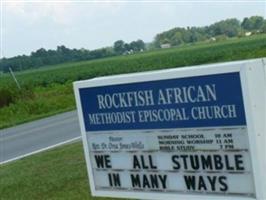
[29, 25]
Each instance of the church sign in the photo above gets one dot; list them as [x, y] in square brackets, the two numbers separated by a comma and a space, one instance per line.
[186, 133]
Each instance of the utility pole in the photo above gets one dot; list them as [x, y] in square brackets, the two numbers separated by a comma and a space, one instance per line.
[14, 77]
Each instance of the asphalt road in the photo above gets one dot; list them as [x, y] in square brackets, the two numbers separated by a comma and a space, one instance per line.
[33, 137]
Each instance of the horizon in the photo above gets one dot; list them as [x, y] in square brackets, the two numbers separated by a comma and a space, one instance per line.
[52, 24]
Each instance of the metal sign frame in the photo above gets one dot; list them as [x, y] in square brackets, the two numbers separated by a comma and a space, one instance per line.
[253, 83]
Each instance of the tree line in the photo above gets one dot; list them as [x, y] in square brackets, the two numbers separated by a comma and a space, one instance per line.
[62, 54]
[174, 37]
[219, 30]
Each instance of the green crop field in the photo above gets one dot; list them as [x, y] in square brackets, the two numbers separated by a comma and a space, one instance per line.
[49, 90]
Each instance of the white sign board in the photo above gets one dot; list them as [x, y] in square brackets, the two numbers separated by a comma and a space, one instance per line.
[186, 133]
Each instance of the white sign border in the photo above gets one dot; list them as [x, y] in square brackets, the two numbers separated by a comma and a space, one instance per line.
[252, 75]
[253, 87]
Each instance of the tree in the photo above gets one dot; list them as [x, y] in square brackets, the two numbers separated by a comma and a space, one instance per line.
[176, 39]
[228, 27]
[140, 45]
[263, 27]
[137, 45]
[253, 23]
[119, 46]
[127, 47]
[39, 53]
[246, 24]
[257, 22]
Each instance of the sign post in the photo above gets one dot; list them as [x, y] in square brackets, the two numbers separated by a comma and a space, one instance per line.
[187, 133]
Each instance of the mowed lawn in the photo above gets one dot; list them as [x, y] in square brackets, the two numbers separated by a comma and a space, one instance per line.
[55, 174]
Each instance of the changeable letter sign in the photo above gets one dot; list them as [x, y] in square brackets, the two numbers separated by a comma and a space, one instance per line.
[186, 133]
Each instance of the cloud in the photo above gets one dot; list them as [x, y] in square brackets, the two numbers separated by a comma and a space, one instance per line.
[31, 13]
[61, 13]
[31, 25]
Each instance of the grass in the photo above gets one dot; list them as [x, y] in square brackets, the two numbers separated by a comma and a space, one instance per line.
[46, 102]
[55, 174]
[52, 85]
[61, 173]
[194, 54]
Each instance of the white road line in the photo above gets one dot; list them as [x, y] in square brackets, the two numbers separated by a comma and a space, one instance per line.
[26, 132]
[41, 150]
[32, 125]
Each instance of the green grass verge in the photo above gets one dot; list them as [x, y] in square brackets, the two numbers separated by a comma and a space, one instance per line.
[55, 174]
[46, 101]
